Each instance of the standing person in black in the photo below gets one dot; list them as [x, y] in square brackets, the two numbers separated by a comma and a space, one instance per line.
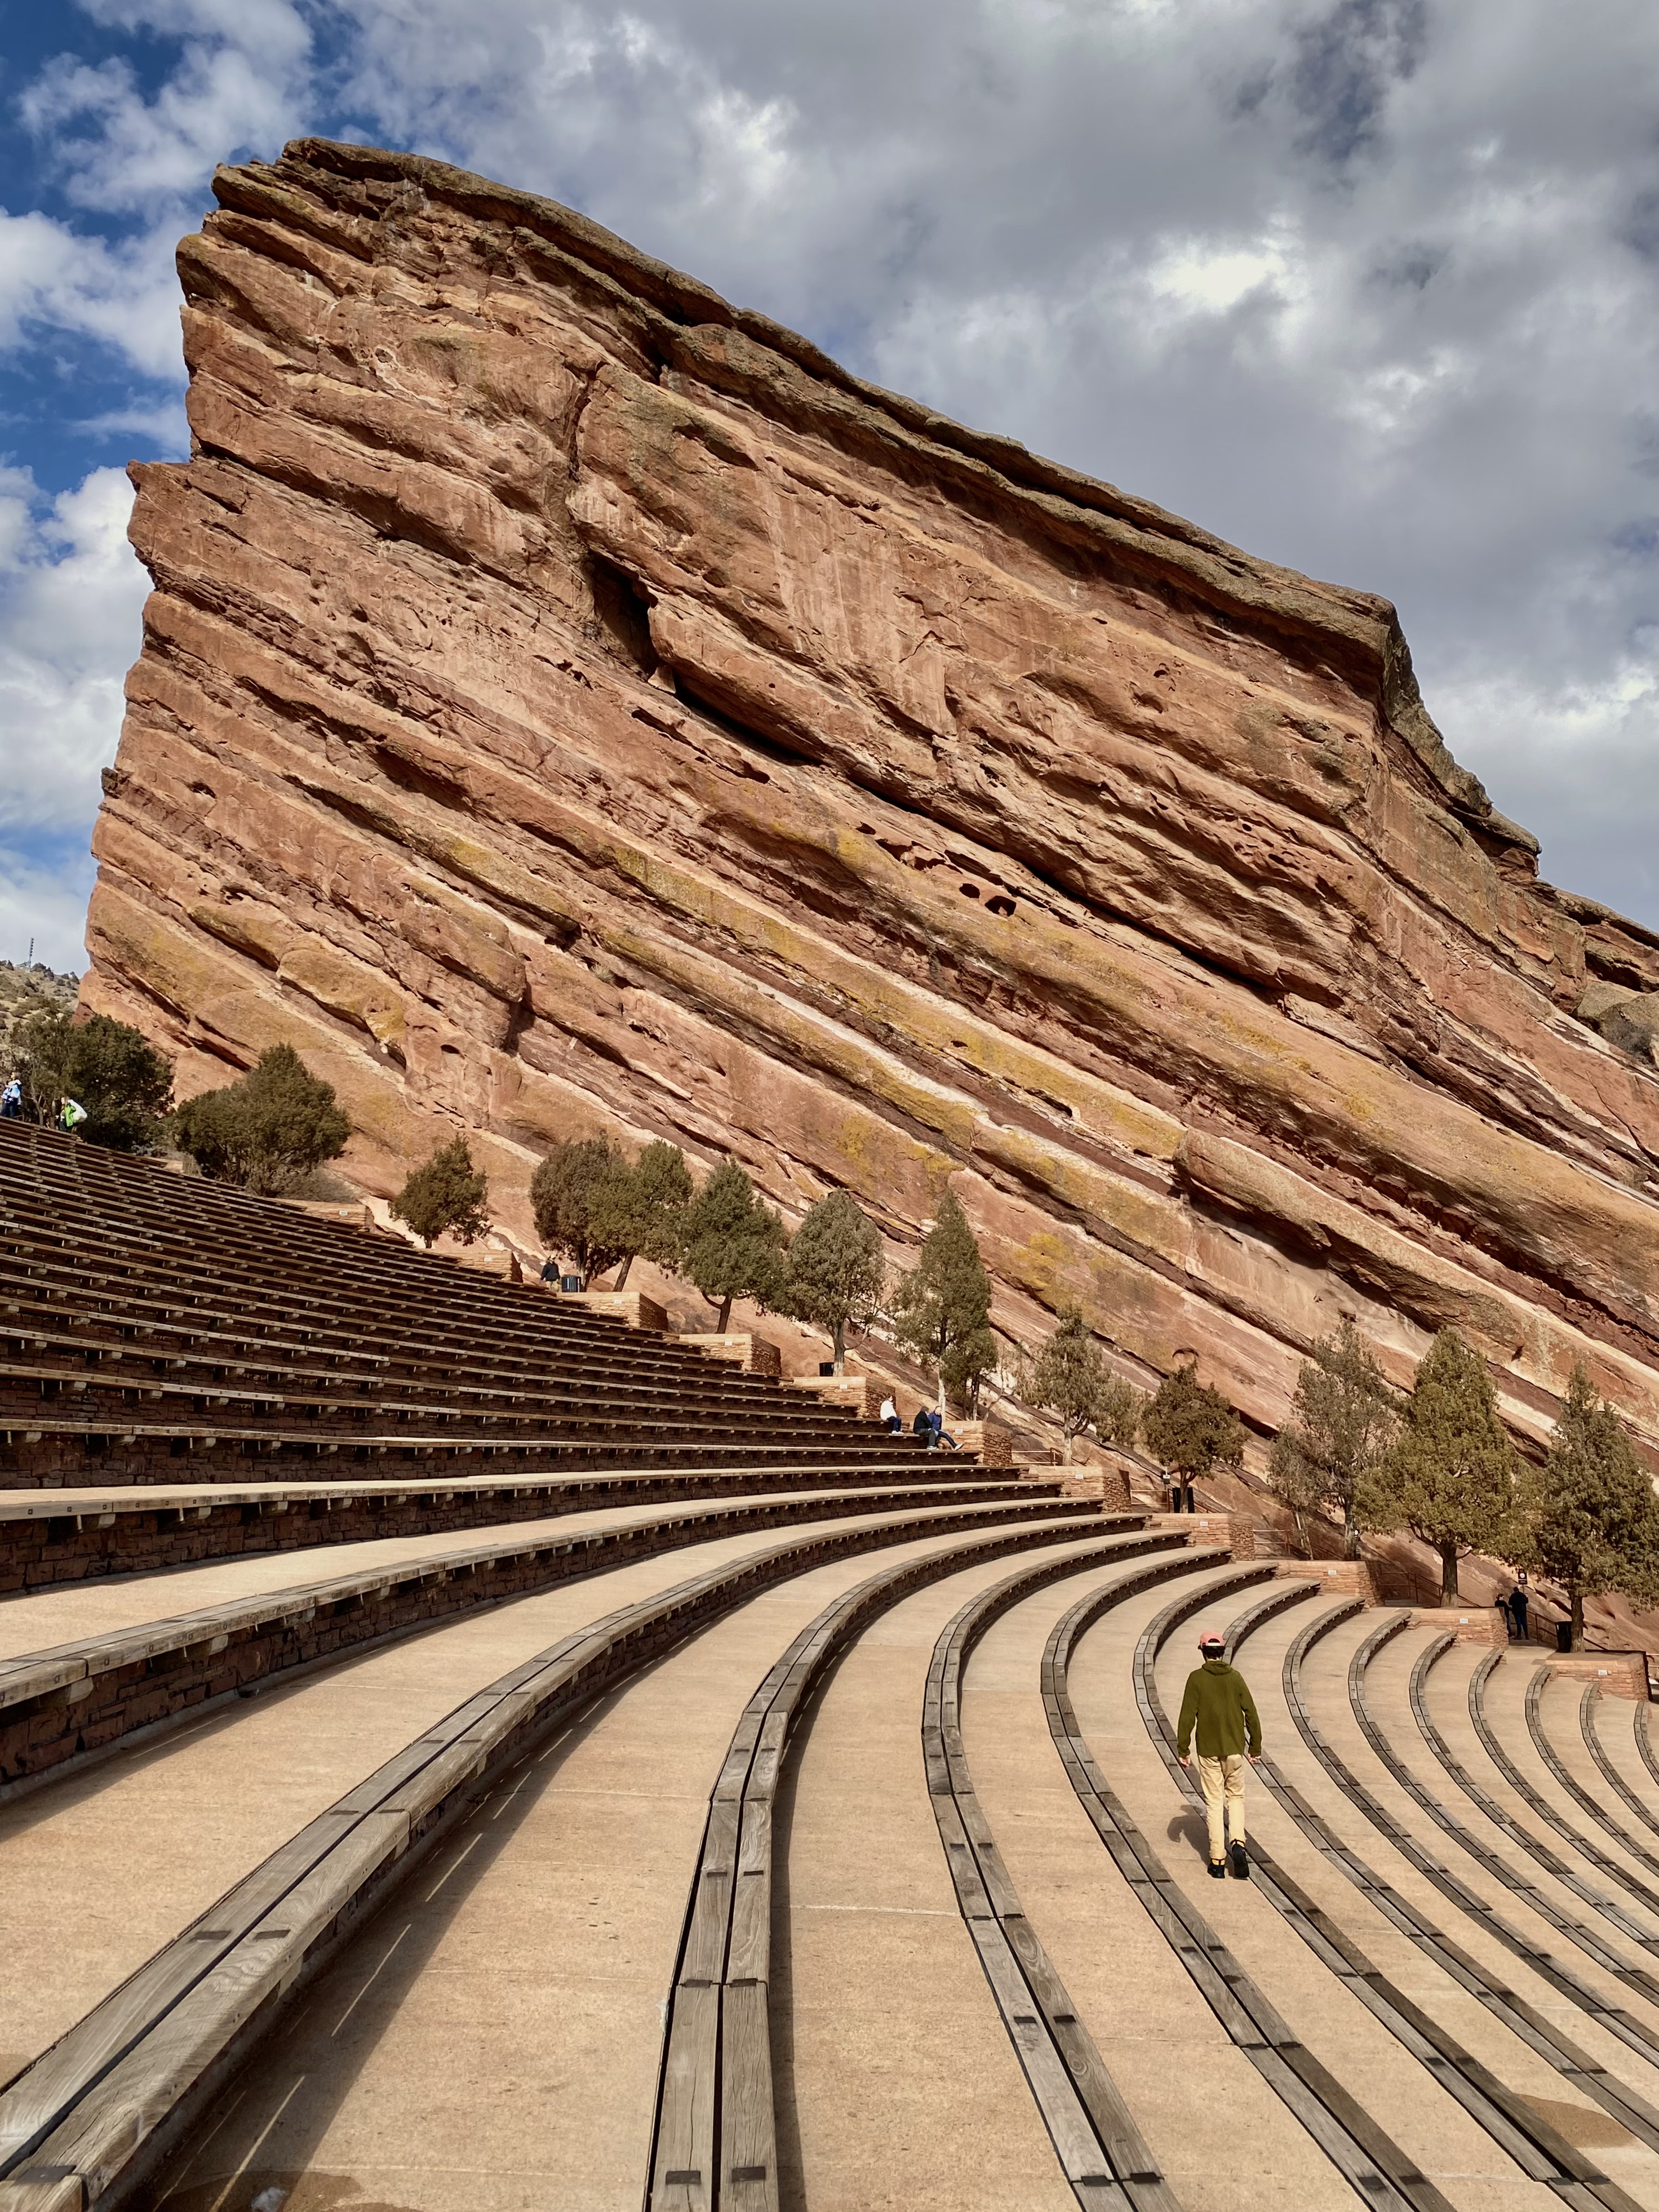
[1518, 1608]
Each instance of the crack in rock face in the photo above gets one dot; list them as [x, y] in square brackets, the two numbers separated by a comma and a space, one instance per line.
[570, 704]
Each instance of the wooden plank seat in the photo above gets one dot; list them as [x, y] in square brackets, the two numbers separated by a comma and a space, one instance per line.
[1347, 2134]
[53, 1455]
[1344, 2134]
[1536, 1801]
[1509, 2118]
[516, 1365]
[715, 2133]
[59, 1707]
[1621, 1779]
[95, 2117]
[102, 1395]
[57, 1537]
[92, 1357]
[170, 1300]
[111, 1351]
[1560, 1761]
[1430, 1800]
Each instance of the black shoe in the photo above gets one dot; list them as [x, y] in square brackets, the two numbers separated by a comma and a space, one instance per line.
[1217, 1869]
[1240, 1863]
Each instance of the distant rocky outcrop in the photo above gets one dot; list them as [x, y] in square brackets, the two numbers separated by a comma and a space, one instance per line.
[29, 988]
[570, 703]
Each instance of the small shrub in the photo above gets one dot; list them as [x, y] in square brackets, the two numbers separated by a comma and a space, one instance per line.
[448, 1195]
[267, 1132]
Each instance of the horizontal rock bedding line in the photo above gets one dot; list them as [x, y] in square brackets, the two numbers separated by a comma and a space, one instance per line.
[87, 2123]
[715, 2115]
[56, 1536]
[59, 1708]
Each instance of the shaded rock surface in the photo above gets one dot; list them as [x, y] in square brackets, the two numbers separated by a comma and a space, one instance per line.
[568, 703]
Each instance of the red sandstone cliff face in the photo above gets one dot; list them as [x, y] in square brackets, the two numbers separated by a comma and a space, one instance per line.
[567, 702]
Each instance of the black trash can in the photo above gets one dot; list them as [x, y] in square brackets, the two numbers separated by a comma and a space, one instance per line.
[1564, 1635]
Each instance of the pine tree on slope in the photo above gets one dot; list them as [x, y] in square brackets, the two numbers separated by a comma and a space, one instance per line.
[1450, 1477]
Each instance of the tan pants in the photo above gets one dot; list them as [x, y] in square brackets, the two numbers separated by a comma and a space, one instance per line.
[1223, 1783]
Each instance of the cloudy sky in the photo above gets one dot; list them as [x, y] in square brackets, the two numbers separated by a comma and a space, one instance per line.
[1370, 286]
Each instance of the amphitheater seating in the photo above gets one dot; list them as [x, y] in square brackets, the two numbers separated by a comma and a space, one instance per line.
[745, 1834]
[148, 1318]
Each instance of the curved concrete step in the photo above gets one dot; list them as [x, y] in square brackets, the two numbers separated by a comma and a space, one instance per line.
[1460, 2064]
[715, 2133]
[185, 2020]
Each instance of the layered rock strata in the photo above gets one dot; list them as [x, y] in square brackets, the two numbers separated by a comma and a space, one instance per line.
[568, 703]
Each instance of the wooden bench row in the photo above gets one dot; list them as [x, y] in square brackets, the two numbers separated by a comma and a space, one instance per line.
[93, 2121]
[53, 1537]
[1541, 2150]
[714, 2127]
[58, 1708]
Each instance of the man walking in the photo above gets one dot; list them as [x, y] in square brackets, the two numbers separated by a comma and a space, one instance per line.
[1217, 1704]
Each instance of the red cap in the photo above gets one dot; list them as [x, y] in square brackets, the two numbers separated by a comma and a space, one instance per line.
[1211, 1643]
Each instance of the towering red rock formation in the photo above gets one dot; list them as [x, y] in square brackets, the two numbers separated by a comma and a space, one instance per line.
[569, 702]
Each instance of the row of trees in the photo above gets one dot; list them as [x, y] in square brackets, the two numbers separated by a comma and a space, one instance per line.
[597, 1210]
[1438, 1461]
[1435, 1461]
[267, 1132]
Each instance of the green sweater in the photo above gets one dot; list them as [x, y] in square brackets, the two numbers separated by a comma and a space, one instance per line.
[1219, 1699]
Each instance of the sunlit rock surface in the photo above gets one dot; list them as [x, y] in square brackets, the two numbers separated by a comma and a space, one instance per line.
[568, 703]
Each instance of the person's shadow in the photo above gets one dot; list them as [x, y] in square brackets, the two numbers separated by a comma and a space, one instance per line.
[1190, 1827]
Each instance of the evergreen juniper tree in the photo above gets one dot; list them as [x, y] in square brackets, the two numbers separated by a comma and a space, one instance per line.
[1070, 1378]
[1342, 1424]
[1591, 1518]
[574, 1197]
[1449, 1474]
[267, 1132]
[1189, 1428]
[733, 1244]
[445, 1195]
[942, 1308]
[107, 1066]
[835, 1272]
[640, 1210]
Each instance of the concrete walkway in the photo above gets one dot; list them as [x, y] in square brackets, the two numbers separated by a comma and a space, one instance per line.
[897, 2085]
[491, 2040]
[103, 1868]
[1219, 2134]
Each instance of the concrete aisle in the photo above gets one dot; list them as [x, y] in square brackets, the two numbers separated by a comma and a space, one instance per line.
[1559, 1716]
[1225, 2141]
[1447, 1697]
[1615, 1727]
[63, 1613]
[194, 1812]
[898, 2089]
[1426, 2124]
[1480, 2032]
[490, 2043]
